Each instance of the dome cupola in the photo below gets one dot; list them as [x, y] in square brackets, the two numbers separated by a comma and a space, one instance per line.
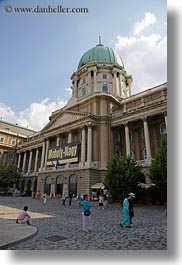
[100, 53]
[100, 72]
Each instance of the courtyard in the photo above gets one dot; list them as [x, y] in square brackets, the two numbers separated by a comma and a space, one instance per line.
[60, 227]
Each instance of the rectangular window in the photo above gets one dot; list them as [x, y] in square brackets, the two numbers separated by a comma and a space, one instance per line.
[104, 76]
[1, 140]
[13, 142]
[11, 156]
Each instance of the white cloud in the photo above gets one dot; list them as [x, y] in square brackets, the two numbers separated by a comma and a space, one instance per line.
[139, 26]
[144, 57]
[36, 116]
[6, 113]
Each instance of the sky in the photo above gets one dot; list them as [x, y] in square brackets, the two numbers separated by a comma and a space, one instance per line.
[40, 51]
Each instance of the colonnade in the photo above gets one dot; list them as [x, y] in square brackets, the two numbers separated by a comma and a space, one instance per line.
[35, 152]
[116, 78]
[146, 137]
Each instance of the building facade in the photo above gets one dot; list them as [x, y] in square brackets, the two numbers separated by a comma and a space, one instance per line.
[10, 136]
[71, 152]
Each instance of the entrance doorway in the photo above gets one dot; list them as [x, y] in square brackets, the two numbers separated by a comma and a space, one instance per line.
[47, 188]
[59, 185]
[73, 185]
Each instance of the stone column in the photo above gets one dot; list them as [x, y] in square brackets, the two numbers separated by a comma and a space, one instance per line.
[83, 145]
[30, 162]
[36, 160]
[165, 117]
[46, 152]
[89, 82]
[24, 161]
[19, 159]
[89, 144]
[58, 140]
[147, 138]
[127, 139]
[69, 137]
[75, 88]
[120, 86]
[43, 155]
[114, 83]
[95, 81]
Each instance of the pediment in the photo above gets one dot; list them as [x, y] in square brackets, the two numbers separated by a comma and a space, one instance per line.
[64, 118]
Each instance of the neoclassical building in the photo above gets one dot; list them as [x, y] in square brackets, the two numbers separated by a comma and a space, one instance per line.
[101, 118]
[11, 135]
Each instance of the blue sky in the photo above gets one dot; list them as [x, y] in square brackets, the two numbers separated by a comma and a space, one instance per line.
[39, 52]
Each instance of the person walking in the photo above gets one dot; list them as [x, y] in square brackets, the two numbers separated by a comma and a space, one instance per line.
[64, 199]
[79, 200]
[24, 217]
[101, 202]
[126, 220]
[70, 198]
[86, 219]
[131, 211]
[45, 198]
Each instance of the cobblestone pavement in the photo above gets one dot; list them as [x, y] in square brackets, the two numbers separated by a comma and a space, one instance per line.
[62, 229]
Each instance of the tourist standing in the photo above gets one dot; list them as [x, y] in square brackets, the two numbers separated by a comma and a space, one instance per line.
[86, 219]
[131, 211]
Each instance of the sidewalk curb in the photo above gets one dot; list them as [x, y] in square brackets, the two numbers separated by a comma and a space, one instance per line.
[4, 246]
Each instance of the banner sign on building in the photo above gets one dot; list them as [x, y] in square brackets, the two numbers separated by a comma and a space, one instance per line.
[65, 153]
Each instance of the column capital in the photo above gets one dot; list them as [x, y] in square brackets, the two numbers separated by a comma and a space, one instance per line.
[89, 124]
[125, 123]
[83, 126]
[144, 118]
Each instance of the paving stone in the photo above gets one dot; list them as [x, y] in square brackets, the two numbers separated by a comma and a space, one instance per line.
[148, 233]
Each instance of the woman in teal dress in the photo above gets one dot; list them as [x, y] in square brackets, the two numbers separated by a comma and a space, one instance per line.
[126, 220]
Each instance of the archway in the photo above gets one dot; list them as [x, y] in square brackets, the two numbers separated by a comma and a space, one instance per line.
[22, 185]
[73, 184]
[47, 188]
[35, 186]
[59, 184]
[28, 187]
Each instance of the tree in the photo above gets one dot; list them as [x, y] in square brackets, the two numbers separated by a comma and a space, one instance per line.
[123, 175]
[9, 175]
[158, 170]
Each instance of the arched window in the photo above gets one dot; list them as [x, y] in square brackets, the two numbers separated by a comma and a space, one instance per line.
[132, 154]
[142, 133]
[130, 136]
[105, 88]
[163, 129]
[144, 153]
[73, 184]
[29, 187]
[83, 92]
[47, 188]
[59, 184]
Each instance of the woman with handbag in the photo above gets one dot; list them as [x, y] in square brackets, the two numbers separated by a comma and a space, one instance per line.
[86, 219]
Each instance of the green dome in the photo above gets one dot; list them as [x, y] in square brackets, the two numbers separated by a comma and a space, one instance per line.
[100, 53]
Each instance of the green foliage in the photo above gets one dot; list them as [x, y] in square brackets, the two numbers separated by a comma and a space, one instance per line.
[9, 175]
[123, 175]
[158, 170]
